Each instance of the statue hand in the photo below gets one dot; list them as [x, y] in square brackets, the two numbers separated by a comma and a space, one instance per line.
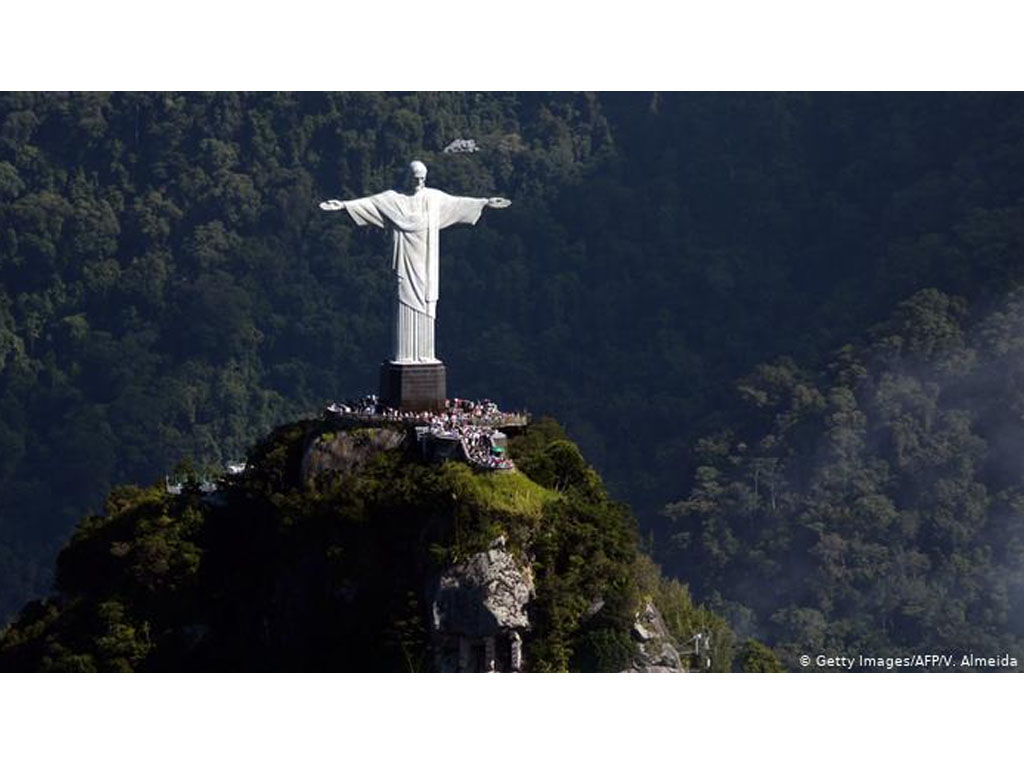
[498, 202]
[332, 205]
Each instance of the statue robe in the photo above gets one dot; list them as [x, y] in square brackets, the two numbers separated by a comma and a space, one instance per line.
[415, 222]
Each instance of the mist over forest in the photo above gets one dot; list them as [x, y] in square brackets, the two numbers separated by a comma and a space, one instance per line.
[785, 328]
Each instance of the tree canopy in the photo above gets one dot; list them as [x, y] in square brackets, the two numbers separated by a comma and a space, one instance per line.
[168, 287]
[873, 507]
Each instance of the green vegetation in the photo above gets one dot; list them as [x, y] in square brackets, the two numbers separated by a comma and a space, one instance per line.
[874, 507]
[504, 493]
[758, 657]
[276, 573]
[168, 288]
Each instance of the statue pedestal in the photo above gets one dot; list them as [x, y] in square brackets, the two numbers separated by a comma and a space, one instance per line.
[413, 386]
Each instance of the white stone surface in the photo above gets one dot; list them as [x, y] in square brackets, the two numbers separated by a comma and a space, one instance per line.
[415, 221]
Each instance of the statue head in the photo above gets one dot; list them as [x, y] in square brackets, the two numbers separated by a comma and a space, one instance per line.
[417, 175]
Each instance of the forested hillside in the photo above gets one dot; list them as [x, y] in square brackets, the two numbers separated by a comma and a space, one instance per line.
[168, 287]
[297, 565]
[874, 506]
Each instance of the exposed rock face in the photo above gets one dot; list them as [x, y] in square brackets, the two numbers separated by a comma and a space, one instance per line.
[477, 610]
[346, 452]
[462, 145]
[656, 651]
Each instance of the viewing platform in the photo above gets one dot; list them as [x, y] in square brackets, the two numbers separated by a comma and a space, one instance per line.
[464, 430]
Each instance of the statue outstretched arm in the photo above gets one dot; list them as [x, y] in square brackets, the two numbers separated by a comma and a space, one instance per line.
[363, 210]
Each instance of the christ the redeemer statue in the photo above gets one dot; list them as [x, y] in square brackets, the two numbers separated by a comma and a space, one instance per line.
[415, 220]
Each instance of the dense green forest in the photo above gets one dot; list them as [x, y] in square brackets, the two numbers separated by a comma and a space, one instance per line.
[168, 287]
[875, 506]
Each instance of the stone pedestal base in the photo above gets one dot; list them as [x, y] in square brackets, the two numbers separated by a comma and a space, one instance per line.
[413, 387]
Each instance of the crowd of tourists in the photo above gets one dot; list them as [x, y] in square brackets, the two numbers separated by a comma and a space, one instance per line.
[480, 444]
[474, 423]
[457, 411]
